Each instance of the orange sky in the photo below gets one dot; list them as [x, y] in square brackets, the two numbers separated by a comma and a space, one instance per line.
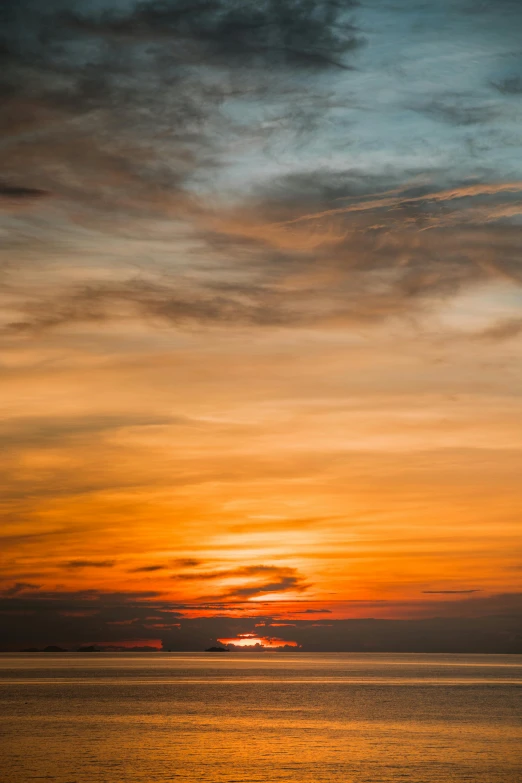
[318, 468]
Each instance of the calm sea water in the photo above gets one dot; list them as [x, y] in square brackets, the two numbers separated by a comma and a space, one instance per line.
[267, 718]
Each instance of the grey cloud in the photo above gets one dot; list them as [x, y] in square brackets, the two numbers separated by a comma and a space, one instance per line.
[297, 33]
[146, 569]
[510, 85]
[82, 122]
[458, 110]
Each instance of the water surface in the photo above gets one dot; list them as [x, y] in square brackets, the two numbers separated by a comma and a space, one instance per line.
[260, 718]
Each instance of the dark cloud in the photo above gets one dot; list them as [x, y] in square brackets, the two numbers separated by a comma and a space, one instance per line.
[82, 121]
[146, 569]
[510, 85]
[489, 624]
[313, 611]
[298, 33]
[18, 193]
[14, 199]
[20, 587]
[71, 619]
[81, 65]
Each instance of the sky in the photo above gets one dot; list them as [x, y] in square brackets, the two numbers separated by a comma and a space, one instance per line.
[261, 324]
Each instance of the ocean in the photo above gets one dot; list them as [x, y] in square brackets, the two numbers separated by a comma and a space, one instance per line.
[260, 718]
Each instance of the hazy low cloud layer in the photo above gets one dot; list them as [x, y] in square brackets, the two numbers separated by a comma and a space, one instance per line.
[141, 620]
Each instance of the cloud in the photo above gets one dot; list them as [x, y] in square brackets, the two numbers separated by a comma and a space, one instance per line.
[20, 587]
[18, 193]
[154, 300]
[362, 263]
[16, 539]
[511, 85]
[486, 624]
[90, 110]
[71, 619]
[90, 564]
[387, 202]
[33, 430]
[146, 569]
[313, 611]
[14, 199]
[457, 110]
[504, 329]
[262, 580]
[450, 592]
[283, 583]
[231, 572]
[185, 562]
[132, 128]
[293, 33]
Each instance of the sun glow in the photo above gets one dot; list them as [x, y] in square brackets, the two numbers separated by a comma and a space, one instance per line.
[251, 640]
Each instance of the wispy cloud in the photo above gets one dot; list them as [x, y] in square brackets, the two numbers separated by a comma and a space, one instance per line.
[12, 196]
[90, 564]
[19, 587]
[504, 329]
[450, 592]
[260, 580]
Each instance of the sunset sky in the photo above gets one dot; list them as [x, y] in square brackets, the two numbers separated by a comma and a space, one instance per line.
[261, 317]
